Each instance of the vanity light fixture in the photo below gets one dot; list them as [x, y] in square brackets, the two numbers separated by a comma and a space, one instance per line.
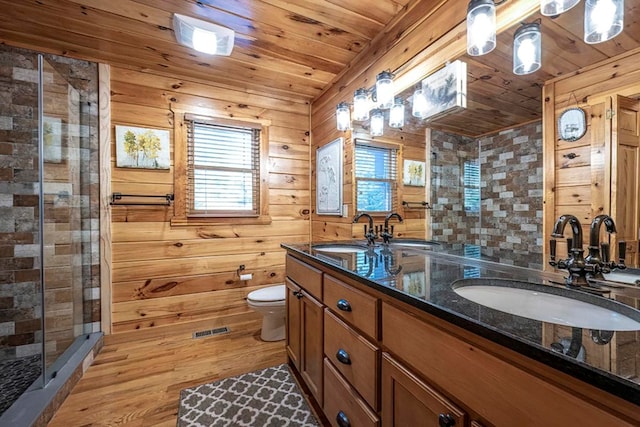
[203, 36]
[343, 116]
[556, 7]
[396, 113]
[603, 20]
[481, 27]
[527, 49]
[376, 125]
[384, 90]
[420, 104]
[361, 105]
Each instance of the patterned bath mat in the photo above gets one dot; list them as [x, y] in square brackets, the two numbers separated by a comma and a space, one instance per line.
[269, 397]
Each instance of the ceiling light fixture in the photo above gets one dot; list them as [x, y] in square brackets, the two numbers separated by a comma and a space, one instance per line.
[481, 27]
[203, 36]
[556, 7]
[420, 104]
[527, 49]
[603, 20]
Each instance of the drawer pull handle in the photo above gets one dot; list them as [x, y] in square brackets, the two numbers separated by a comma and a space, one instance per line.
[343, 357]
[342, 420]
[446, 420]
[343, 305]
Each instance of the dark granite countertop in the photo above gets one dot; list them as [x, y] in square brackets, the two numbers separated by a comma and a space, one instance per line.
[423, 277]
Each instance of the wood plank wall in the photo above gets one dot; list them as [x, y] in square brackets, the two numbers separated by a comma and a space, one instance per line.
[167, 275]
[416, 43]
[578, 174]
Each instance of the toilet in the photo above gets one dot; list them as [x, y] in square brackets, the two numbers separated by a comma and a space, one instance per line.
[270, 303]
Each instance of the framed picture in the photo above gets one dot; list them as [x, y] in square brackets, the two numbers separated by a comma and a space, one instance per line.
[446, 90]
[329, 178]
[52, 139]
[142, 148]
[415, 284]
[414, 173]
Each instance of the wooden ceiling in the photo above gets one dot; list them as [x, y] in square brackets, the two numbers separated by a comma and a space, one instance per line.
[294, 49]
[286, 48]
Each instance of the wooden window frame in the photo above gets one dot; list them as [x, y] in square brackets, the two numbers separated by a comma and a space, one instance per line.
[180, 215]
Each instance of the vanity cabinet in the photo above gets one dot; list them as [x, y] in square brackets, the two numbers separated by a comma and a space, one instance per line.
[304, 320]
[408, 401]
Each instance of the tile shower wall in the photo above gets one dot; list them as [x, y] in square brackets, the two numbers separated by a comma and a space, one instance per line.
[508, 227]
[20, 298]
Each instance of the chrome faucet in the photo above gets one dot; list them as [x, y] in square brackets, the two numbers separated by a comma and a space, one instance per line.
[597, 262]
[387, 233]
[370, 233]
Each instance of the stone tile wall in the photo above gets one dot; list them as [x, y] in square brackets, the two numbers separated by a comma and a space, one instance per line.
[71, 206]
[508, 227]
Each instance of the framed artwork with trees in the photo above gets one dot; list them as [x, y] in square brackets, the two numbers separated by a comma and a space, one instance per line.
[143, 148]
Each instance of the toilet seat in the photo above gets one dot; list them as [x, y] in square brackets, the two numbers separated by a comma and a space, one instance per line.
[268, 295]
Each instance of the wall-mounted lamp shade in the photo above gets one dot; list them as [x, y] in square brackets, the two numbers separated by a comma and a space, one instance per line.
[527, 49]
[396, 113]
[420, 104]
[603, 20]
[384, 90]
[556, 7]
[203, 36]
[361, 105]
[376, 125]
[481, 27]
[343, 116]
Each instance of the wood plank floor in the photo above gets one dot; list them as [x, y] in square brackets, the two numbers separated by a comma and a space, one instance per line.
[138, 383]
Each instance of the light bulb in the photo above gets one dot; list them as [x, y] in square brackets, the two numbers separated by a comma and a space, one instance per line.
[376, 125]
[603, 20]
[396, 114]
[420, 104]
[205, 41]
[384, 90]
[527, 49]
[343, 116]
[481, 27]
[361, 105]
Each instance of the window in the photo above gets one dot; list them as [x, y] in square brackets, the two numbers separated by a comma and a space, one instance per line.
[471, 180]
[220, 171]
[376, 174]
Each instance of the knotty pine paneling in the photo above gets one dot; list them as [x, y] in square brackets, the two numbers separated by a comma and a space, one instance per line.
[164, 275]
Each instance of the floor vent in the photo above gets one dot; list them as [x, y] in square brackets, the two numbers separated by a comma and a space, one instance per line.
[211, 332]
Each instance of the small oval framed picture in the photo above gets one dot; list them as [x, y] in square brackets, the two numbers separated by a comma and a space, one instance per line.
[572, 124]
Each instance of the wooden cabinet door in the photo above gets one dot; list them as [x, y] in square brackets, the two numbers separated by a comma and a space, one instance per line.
[407, 401]
[311, 328]
[294, 334]
[625, 176]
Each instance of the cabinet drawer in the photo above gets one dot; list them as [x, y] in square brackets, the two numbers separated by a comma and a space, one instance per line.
[356, 307]
[306, 276]
[341, 401]
[353, 356]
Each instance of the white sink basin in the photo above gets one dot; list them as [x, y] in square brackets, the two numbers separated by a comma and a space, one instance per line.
[413, 243]
[339, 248]
[550, 304]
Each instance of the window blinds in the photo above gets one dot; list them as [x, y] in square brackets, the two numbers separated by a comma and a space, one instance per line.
[223, 170]
[471, 180]
[376, 174]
